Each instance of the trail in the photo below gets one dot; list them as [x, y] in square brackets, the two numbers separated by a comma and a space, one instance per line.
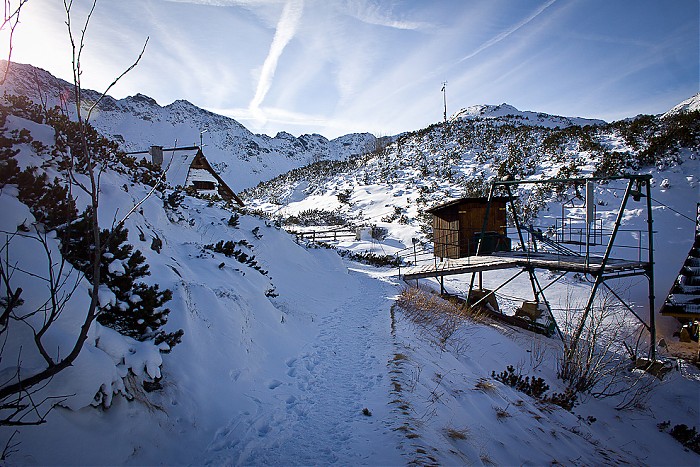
[316, 413]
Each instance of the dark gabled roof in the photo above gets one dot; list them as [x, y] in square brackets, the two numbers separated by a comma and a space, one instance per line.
[455, 202]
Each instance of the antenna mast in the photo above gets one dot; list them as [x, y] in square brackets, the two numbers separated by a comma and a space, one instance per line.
[444, 99]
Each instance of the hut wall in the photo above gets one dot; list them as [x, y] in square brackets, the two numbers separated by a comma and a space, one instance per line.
[457, 227]
[446, 235]
[471, 221]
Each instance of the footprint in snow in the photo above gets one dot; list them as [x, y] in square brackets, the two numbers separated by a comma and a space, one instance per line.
[274, 384]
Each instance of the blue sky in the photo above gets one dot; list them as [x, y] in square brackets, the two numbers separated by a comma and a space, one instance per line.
[339, 66]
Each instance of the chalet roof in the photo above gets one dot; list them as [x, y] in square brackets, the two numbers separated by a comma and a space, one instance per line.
[176, 164]
[455, 202]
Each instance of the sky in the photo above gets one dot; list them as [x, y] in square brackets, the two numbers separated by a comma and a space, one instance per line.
[339, 66]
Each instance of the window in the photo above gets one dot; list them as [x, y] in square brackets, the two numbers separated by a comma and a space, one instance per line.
[202, 185]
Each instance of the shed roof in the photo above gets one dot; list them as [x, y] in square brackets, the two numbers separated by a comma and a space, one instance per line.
[455, 202]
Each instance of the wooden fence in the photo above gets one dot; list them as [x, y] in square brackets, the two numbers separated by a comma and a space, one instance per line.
[326, 235]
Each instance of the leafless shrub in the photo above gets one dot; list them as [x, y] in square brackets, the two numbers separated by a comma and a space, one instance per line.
[502, 413]
[596, 363]
[538, 352]
[9, 23]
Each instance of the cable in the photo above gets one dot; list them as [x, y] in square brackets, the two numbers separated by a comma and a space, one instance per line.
[669, 207]
[657, 202]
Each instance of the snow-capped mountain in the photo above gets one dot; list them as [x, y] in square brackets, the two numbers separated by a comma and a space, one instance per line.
[506, 113]
[691, 104]
[294, 356]
[394, 186]
[242, 158]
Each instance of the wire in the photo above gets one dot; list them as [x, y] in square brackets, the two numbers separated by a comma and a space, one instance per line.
[669, 207]
[658, 202]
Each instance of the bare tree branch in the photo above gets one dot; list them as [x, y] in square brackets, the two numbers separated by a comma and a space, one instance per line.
[11, 20]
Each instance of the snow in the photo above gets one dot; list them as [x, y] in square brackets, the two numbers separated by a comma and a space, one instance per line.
[138, 122]
[509, 114]
[692, 104]
[284, 380]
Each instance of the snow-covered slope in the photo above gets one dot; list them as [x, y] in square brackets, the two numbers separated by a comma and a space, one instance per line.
[692, 104]
[242, 158]
[306, 359]
[393, 187]
[506, 113]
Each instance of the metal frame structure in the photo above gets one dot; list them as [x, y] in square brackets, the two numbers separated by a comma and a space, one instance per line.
[601, 269]
[601, 273]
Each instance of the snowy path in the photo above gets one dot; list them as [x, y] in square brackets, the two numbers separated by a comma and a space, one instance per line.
[315, 414]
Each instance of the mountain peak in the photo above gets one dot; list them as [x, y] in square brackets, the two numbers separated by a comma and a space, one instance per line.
[507, 113]
[142, 98]
[691, 104]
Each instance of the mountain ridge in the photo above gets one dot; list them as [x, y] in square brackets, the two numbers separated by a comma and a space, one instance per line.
[507, 113]
[242, 158]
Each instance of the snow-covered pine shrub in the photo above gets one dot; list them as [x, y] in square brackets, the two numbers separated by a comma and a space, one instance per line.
[395, 215]
[344, 196]
[69, 150]
[228, 248]
[173, 200]
[50, 203]
[676, 131]
[138, 311]
[685, 435]
[535, 387]
[233, 221]
[317, 217]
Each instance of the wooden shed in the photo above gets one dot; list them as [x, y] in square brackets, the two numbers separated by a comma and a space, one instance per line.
[457, 227]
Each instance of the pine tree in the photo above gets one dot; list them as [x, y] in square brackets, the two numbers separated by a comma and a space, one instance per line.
[138, 311]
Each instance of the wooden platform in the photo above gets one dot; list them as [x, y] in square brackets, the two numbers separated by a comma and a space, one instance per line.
[548, 261]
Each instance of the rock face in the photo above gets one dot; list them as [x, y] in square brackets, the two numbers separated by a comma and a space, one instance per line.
[243, 159]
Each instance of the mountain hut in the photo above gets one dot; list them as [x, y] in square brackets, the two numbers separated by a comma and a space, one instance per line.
[457, 227]
[187, 167]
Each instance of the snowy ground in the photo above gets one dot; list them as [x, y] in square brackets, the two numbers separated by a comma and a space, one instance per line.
[298, 397]
[266, 378]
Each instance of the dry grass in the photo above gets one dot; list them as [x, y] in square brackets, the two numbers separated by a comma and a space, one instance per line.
[438, 316]
[485, 385]
[455, 434]
[501, 413]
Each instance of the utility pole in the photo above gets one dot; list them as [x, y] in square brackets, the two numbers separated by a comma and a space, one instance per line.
[444, 100]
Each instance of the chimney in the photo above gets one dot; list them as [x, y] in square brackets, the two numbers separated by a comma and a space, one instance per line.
[156, 153]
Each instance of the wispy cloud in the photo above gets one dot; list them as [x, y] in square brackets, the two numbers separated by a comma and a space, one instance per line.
[286, 28]
[495, 40]
[372, 13]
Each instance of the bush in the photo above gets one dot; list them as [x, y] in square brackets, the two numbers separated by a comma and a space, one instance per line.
[536, 387]
[685, 435]
[138, 310]
[233, 221]
[229, 249]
